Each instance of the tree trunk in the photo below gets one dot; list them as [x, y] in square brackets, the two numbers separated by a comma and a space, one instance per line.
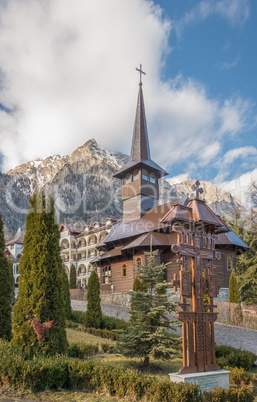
[146, 363]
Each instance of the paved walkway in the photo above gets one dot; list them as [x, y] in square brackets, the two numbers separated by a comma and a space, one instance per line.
[238, 337]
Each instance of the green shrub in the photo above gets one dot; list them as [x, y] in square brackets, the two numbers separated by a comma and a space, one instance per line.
[105, 347]
[81, 350]
[239, 377]
[40, 373]
[78, 316]
[228, 356]
[72, 324]
[166, 391]
[103, 333]
[113, 323]
[243, 394]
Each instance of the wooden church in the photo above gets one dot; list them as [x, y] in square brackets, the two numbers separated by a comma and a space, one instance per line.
[180, 230]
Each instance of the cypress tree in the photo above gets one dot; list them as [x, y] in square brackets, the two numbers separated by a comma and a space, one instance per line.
[93, 314]
[6, 289]
[66, 293]
[234, 295]
[39, 314]
[73, 277]
[147, 334]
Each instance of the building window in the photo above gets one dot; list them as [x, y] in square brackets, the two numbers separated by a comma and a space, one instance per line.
[139, 262]
[107, 275]
[152, 178]
[185, 238]
[229, 263]
[128, 178]
[135, 175]
[124, 270]
[145, 175]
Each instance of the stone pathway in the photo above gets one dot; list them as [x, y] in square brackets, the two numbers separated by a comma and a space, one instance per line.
[238, 337]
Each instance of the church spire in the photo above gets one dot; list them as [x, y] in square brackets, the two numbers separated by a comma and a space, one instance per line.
[140, 151]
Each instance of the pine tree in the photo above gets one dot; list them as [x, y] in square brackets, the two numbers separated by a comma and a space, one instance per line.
[73, 279]
[247, 268]
[147, 335]
[6, 289]
[39, 314]
[234, 295]
[93, 314]
[138, 286]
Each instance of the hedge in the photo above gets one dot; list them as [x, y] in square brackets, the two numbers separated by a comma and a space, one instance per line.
[228, 356]
[60, 372]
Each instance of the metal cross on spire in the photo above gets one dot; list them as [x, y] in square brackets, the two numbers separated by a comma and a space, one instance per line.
[196, 187]
[140, 72]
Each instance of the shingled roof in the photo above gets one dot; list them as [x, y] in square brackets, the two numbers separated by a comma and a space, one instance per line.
[140, 151]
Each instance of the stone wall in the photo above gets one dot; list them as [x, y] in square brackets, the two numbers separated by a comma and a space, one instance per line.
[122, 299]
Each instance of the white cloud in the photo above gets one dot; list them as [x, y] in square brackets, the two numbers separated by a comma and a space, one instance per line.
[240, 186]
[177, 179]
[68, 74]
[68, 70]
[241, 152]
[192, 125]
[235, 12]
[227, 65]
[243, 156]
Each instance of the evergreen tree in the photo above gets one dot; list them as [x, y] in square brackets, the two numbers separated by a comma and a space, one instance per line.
[138, 286]
[73, 277]
[39, 314]
[247, 269]
[93, 314]
[6, 289]
[234, 295]
[66, 293]
[147, 335]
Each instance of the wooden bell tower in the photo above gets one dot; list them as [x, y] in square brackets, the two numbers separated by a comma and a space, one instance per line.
[140, 188]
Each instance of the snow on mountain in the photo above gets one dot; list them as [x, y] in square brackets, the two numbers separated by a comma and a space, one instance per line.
[85, 190]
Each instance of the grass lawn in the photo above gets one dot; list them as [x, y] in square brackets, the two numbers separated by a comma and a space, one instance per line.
[74, 336]
[158, 367]
[64, 396]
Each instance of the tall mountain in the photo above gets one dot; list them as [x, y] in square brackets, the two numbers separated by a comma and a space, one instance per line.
[220, 201]
[84, 189]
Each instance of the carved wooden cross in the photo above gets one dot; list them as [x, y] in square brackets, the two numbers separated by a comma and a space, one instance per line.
[140, 72]
[196, 187]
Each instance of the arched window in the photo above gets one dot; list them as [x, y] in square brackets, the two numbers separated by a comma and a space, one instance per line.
[152, 178]
[229, 263]
[135, 175]
[124, 270]
[92, 240]
[128, 178]
[107, 275]
[145, 175]
[139, 262]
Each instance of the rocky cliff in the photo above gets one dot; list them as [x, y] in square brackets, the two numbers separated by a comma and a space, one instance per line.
[84, 189]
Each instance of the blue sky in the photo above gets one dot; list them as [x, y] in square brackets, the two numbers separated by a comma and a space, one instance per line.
[67, 74]
[214, 43]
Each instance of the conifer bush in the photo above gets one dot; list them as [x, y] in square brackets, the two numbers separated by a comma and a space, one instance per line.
[40, 312]
[73, 277]
[93, 314]
[6, 289]
[147, 334]
[66, 293]
[234, 295]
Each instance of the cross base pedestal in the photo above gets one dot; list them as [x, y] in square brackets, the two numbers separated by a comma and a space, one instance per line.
[206, 380]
